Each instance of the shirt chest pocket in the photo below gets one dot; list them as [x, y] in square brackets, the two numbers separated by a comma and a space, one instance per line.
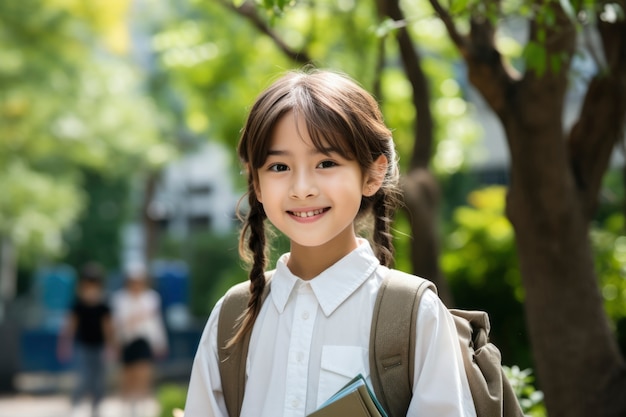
[339, 365]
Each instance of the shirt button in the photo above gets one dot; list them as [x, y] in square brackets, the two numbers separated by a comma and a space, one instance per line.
[305, 315]
[299, 356]
[295, 403]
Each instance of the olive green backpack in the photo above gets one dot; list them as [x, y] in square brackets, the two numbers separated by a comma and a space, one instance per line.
[392, 347]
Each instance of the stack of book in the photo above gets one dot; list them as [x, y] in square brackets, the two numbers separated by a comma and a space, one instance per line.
[355, 399]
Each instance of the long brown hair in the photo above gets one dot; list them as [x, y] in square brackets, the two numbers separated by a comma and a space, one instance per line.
[339, 114]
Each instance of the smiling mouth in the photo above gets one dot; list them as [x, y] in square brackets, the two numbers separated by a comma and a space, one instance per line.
[310, 213]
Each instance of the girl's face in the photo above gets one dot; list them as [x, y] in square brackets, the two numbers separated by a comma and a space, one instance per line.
[310, 196]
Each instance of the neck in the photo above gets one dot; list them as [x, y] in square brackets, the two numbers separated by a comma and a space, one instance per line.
[307, 262]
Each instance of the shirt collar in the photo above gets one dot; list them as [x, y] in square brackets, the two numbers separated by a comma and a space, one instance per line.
[333, 286]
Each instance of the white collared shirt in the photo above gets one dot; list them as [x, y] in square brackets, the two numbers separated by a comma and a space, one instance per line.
[312, 337]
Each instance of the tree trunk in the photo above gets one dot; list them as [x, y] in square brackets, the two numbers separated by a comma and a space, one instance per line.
[419, 187]
[550, 202]
[421, 197]
[150, 225]
[552, 193]
[578, 362]
[575, 353]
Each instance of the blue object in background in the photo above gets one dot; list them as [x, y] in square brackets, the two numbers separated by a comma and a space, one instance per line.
[171, 281]
[38, 351]
[56, 286]
[55, 292]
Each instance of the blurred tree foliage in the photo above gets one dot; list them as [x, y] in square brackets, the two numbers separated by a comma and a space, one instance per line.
[171, 397]
[220, 58]
[70, 104]
[481, 263]
[96, 233]
[610, 250]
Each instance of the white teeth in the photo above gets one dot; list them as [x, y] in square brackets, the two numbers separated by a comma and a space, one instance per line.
[307, 213]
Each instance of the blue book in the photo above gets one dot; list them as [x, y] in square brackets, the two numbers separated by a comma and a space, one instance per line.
[355, 399]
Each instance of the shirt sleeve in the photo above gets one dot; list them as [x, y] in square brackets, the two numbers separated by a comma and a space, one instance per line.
[204, 395]
[440, 384]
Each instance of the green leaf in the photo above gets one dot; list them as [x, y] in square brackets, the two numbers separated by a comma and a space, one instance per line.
[458, 6]
[556, 61]
[535, 56]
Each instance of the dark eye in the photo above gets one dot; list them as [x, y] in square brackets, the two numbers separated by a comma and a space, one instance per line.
[278, 167]
[327, 164]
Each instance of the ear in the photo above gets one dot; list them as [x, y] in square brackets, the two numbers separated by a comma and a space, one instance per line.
[257, 192]
[375, 176]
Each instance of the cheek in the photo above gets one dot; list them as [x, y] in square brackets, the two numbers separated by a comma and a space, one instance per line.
[349, 183]
[266, 192]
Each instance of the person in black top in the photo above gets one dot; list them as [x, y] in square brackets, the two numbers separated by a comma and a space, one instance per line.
[87, 334]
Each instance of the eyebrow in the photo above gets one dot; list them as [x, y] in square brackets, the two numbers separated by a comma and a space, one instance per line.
[324, 151]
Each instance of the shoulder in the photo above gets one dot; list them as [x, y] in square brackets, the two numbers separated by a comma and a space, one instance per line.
[430, 303]
[234, 302]
[399, 282]
[241, 290]
[238, 290]
[237, 293]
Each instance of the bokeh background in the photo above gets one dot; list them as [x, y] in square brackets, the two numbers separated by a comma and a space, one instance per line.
[118, 125]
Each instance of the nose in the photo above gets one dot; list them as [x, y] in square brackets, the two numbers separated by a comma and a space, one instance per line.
[303, 185]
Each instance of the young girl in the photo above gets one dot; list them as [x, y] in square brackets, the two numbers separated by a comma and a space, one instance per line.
[319, 159]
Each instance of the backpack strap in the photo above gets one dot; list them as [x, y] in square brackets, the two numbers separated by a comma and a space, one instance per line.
[392, 353]
[232, 361]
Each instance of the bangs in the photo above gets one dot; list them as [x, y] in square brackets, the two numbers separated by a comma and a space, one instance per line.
[337, 115]
[329, 125]
[326, 135]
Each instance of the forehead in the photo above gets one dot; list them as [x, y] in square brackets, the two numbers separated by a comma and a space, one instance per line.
[293, 130]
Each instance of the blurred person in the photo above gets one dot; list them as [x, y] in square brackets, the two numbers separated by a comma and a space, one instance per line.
[87, 334]
[140, 334]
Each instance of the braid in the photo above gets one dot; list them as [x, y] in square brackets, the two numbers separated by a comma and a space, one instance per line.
[252, 245]
[383, 240]
[382, 206]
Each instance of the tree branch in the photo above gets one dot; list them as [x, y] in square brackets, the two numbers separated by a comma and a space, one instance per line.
[419, 187]
[459, 40]
[249, 11]
[485, 67]
[411, 60]
[600, 125]
[380, 65]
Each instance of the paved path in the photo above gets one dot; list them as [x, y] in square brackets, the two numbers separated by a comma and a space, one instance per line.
[59, 406]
